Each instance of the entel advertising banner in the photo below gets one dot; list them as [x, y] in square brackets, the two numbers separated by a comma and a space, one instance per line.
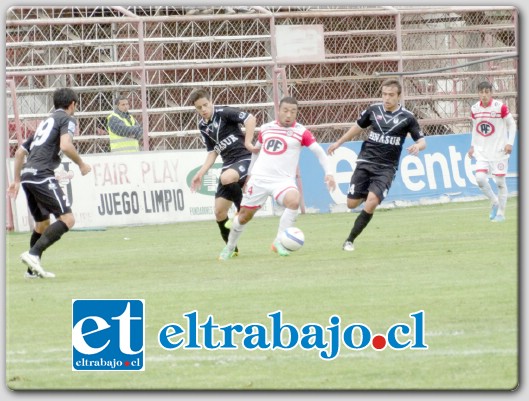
[154, 187]
[132, 189]
[442, 170]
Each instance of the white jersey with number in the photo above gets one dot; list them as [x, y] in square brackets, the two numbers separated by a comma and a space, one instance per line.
[490, 130]
[280, 150]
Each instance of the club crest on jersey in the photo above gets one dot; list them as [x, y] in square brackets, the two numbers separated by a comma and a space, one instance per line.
[290, 132]
[379, 117]
[274, 145]
[395, 120]
[484, 128]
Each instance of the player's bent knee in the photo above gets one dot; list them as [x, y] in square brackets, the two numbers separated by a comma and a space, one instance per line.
[353, 203]
[221, 214]
[500, 182]
[41, 226]
[245, 216]
[68, 219]
[482, 179]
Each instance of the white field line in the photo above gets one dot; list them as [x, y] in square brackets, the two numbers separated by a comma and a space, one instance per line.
[39, 362]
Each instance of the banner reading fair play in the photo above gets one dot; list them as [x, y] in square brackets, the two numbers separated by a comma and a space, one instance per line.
[135, 188]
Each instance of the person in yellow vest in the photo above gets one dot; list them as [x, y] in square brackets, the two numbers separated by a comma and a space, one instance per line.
[124, 131]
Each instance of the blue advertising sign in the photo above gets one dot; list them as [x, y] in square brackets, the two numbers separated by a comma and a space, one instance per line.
[442, 169]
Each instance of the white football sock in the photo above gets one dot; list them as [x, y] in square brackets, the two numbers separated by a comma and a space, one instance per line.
[502, 194]
[483, 183]
[288, 218]
[235, 232]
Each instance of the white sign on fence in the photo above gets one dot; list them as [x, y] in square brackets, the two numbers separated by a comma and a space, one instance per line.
[299, 43]
[132, 189]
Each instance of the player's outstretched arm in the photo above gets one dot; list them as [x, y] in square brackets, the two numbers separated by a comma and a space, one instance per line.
[417, 147]
[354, 131]
[249, 126]
[14, 187]
[196, 181]
[69, 150]
[324, 162]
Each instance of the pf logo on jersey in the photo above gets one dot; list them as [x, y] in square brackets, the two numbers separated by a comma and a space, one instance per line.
[274, 145]
[484, 128]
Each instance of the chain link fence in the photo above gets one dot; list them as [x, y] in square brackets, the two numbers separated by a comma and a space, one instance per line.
[158, 55]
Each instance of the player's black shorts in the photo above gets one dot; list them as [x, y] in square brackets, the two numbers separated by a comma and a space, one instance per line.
[370, 177]
[226, 192]
[45, 196]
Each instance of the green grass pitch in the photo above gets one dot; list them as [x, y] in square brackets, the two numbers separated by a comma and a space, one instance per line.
[445, 259]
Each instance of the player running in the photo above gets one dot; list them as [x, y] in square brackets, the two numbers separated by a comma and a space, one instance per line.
[378, 161]
[220, 129]
[273, 172]
[44, 150]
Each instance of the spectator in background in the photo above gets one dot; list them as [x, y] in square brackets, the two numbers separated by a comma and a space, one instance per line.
[124, 131]
[493, 133]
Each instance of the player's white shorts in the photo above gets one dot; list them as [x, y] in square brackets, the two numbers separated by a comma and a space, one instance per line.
[258, 189]
[497, 167]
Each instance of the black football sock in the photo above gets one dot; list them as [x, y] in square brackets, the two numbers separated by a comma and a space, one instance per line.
[361, 222]
[51, 235]
[225, 232]
[34, 238]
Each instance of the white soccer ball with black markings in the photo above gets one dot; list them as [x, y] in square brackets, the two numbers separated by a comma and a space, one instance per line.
[292, 239]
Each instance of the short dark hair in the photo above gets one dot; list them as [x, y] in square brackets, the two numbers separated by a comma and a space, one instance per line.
[63, 98]
[392, 82]
[119, 99]
[484, 85]
[289, 100]
[199, 94]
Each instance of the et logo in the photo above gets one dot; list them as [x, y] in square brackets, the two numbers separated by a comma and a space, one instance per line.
[108, 334]
[274, 145]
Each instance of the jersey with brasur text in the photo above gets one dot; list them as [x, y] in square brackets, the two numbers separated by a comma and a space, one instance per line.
[280, 150]
[489, 130]
[44, 146]
[223, 134]
[388, 132]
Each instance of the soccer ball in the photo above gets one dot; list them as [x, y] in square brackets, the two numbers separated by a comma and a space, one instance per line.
[292, 239]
